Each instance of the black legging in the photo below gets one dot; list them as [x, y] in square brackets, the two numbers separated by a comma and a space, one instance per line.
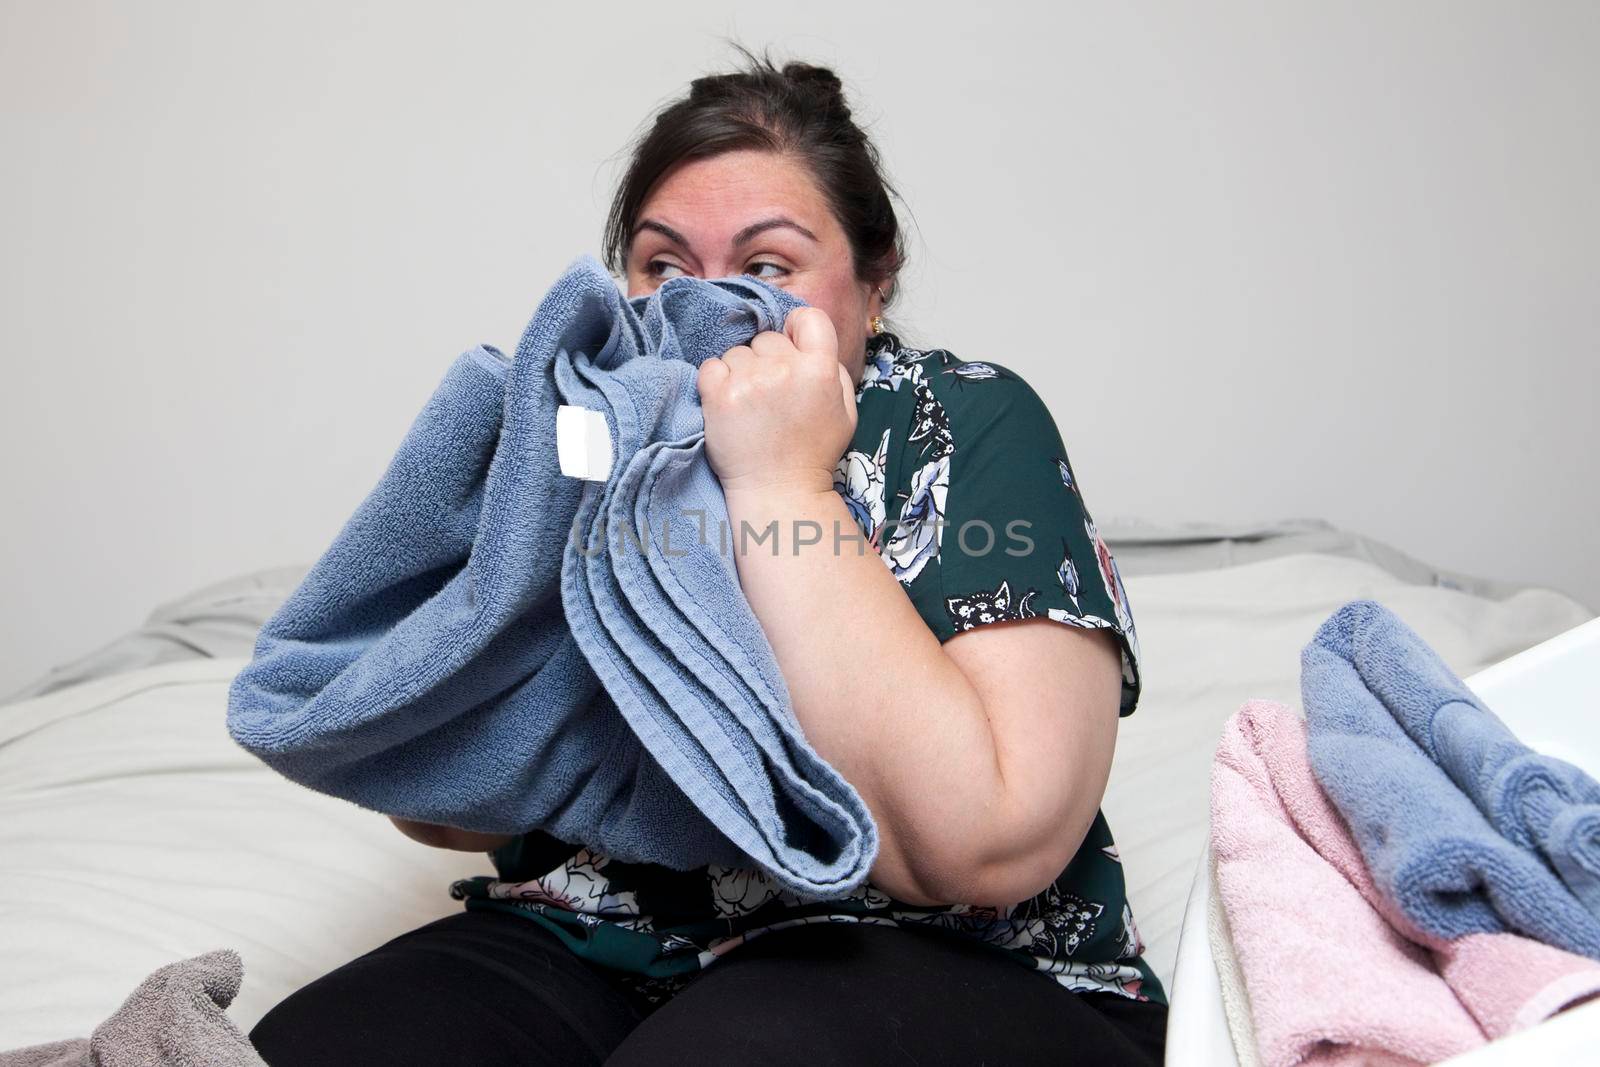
[490, 988]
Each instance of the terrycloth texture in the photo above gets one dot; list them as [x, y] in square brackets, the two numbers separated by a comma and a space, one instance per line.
[461, 652]
[1230, 980]
[175, 1018]
[1505, 981]
[1427, 846]
[1329, 981]
[1510, 982]
[1541, 803]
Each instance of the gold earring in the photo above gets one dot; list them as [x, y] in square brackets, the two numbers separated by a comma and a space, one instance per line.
[877, 324]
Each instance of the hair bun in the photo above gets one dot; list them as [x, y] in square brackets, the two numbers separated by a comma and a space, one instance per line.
[768, 105]
[814, 77]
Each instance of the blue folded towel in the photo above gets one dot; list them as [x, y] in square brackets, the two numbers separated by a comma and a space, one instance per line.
[1425, 842]
[490, 645]
[1538, 802]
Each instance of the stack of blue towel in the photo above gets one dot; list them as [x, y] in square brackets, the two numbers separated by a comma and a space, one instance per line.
[490, 645]
[1463, 826]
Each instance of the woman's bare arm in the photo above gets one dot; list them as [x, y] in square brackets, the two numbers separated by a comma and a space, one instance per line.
[983, 761]
[978, 785]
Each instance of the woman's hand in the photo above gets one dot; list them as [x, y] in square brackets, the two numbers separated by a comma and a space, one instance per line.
[780, 411]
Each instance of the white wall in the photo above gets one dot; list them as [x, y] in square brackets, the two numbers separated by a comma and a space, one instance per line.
[1263, 260]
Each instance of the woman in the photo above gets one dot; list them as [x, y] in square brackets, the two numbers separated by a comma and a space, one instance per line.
[956, 641]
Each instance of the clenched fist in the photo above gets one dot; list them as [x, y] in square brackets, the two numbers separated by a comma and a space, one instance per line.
[780, 411]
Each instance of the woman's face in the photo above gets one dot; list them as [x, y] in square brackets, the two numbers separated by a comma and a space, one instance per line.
[758, 213]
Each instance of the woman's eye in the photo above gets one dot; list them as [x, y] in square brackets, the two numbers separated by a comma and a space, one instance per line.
[752, 268]
[650, 267]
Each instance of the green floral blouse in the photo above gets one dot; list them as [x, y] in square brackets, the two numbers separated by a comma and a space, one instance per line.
[937, 438]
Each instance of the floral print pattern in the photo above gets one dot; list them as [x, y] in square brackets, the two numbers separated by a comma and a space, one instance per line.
[889, 366]
[984, 606]
[918, 537]
[939, 442]
[931, 424]
[859, 480]
[1112, 577]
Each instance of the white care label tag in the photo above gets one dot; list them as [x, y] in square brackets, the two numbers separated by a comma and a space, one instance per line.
[583, 443]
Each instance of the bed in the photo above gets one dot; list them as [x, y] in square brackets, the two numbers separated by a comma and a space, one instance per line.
[136, 833]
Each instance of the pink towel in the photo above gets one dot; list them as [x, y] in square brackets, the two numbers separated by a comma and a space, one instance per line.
[1330, 981]
[1382, 987]
[1508, 982]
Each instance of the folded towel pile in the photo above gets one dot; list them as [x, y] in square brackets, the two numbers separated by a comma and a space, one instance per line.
[1370, 684]
[1539, 803]
[1372, 912]
[490, 645]
[1327, 978]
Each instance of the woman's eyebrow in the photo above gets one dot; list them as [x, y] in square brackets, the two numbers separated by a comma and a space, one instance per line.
[742, 237]
[768, 224]
[661, 228]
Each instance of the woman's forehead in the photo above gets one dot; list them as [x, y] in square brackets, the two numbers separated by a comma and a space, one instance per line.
[716, 199]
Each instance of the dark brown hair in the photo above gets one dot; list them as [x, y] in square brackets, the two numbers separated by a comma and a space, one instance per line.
[797, 110]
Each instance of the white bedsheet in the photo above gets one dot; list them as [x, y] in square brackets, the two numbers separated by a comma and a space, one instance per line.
[134, 832]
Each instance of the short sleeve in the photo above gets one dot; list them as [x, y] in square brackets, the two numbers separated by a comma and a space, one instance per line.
[1017, 540]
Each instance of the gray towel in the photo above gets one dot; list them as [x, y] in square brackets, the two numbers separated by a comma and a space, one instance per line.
[175, 1018]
